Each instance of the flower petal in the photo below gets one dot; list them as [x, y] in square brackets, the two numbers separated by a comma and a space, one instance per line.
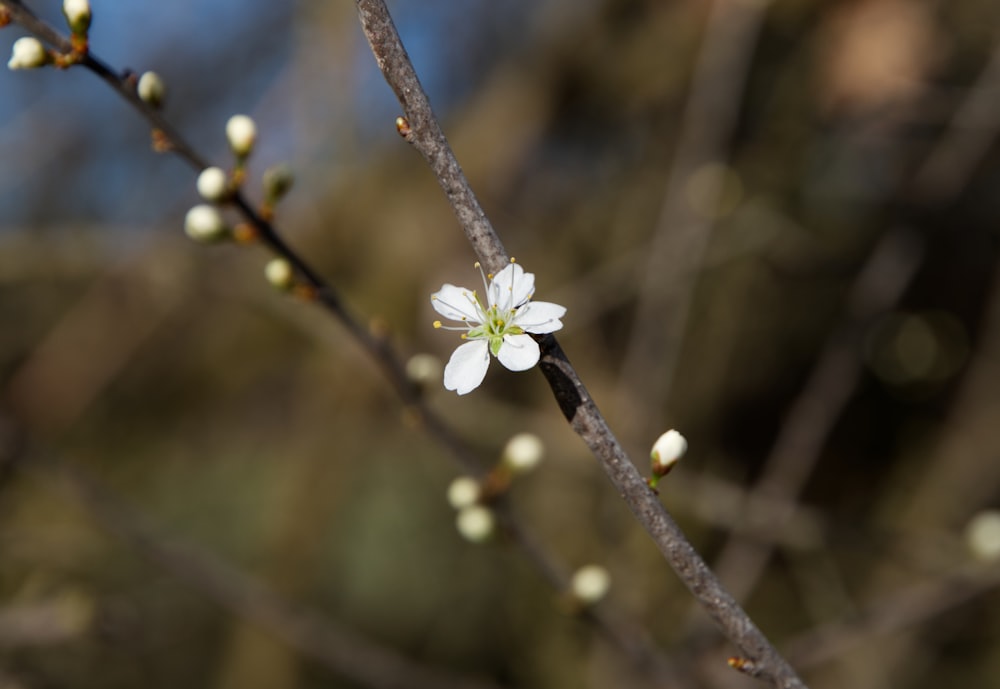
[511, 287]
[456, 303]
[467, 367]
[518, 352]
[540, 317]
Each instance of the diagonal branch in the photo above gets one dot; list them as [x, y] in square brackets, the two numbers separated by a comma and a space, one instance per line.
[425, 134]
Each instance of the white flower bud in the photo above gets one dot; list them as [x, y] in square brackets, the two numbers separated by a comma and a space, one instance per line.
[204, 223]
[277, 181]
[667, 450]
[463, 492]
[982, 534]
[28, 53]
[241, 131]
[476, 523]
[523, 452]
[213, 185]
[590, 584]
[280, 274]
[77, 15]
[423, 368]
[151, 89]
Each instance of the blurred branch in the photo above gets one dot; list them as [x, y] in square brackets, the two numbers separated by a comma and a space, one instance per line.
[424, 133]
[904, 609]
[675, 256]
[311, 634]
[879, 285]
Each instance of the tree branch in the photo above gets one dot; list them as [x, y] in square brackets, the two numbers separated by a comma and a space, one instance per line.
[575, 402]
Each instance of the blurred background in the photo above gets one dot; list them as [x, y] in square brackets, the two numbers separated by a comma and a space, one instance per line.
[774, 226]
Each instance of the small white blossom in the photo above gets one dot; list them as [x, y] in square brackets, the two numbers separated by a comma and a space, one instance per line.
[27, 53]
[590, 584]
[204, 223]
[500, 326]
[523, 452]
[476, 523]
[213, 185]
[151, 89]
[463, 492]
[77, 15]
[241, 131]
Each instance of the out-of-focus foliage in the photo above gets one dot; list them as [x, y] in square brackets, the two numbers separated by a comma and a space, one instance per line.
[248, 423]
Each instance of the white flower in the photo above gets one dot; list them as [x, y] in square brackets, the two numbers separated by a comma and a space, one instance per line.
[241, 131]
[77, 15]
[27, 53]
[499, 327]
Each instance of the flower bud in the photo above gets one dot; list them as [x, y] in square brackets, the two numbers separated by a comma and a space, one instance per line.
[241, 131]
[28, 53]
[204, 223]
[523, 452]
[463, 492]
[213, 185]
[982, 534]
[667, 451]
[151, 89]
[476, 523]
[280, 274]
[590, 584]
[423, 369]
[277, 181]
[77, 14]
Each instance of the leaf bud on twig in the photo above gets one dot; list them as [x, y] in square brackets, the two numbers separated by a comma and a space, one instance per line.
[278, 180]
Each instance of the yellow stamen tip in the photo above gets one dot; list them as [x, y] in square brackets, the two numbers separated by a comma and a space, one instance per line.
[437, 324]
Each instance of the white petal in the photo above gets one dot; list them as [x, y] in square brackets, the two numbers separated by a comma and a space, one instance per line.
[511, 286]
[456, 303]
[518, 352]
[540, 317]
[467, 367]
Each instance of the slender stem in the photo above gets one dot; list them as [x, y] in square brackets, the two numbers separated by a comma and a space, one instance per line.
[571, 395]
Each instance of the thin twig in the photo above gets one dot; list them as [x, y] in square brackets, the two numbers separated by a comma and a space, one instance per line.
[571, 395]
